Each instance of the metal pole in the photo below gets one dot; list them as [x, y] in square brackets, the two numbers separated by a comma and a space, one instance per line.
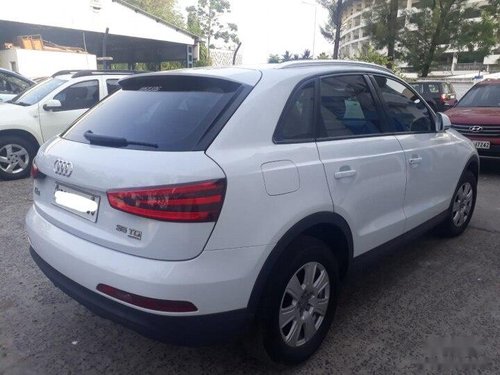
[315, 27]
[104, 45]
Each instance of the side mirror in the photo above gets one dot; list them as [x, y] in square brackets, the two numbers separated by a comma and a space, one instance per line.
[443, 122]
[52, 105]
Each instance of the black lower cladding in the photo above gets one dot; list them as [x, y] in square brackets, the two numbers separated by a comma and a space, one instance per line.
[178, 330]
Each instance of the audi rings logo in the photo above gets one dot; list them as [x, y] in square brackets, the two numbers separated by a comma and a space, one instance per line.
[476, 129]
[63, 168]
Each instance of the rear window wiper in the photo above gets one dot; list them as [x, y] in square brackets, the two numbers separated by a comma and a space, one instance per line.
[106, 140]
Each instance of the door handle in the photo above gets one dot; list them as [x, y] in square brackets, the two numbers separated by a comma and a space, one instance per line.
[344, 174]
[415, 160]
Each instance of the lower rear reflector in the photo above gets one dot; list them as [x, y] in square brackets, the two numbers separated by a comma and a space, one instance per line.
[146, 302]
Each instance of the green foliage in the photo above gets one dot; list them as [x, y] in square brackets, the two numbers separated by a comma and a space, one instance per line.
[383, 25]
[328, 30]
[433, 28]
[164, 9]
[323, 56]
[205, 20]
[479, 38]
[369, 54]
[274, 59]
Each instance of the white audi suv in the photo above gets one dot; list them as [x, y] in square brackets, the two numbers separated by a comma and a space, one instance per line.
[202, 204]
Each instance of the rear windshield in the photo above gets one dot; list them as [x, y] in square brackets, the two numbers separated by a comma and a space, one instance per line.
[481, 96]
[171, 112]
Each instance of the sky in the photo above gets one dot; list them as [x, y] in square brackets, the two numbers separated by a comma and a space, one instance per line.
[274, 26]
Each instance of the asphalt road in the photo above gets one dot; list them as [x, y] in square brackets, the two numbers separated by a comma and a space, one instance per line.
[430, 307]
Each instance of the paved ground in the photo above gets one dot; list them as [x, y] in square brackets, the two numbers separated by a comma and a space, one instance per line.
[432, 306]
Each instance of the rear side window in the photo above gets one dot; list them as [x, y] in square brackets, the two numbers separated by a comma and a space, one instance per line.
[296, 125]
[433, 88]
[347, 108]
[171, 112]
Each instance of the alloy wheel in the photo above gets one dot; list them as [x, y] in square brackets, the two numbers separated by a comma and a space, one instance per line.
[14, 158]
[462, 204]
[304, 304]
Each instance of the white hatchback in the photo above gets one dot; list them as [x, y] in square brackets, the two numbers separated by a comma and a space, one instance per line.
[192, 204]
[45, 110]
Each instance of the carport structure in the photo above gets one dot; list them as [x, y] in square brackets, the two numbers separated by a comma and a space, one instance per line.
[110, 28]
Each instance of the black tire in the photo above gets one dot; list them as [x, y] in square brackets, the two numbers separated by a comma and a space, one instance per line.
[451, 227]
[18, 152]
[315, 255]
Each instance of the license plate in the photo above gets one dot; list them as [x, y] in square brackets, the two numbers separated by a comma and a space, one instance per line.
[485, 145]
[80, 203]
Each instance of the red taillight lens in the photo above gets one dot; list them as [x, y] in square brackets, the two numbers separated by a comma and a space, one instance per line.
[196, 202]
[146, 302]
[35, 172]
[444, 96]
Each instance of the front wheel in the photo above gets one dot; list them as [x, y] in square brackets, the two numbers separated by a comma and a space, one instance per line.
[300, 301]
[16, 157]
[461, 207]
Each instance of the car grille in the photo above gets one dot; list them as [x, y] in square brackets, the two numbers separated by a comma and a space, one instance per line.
[486, 131]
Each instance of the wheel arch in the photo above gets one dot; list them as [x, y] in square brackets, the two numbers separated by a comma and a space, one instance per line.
[326, 226]
[23, 134]
[473, 166]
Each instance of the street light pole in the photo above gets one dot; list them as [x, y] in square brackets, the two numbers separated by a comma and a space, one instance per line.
[315, 24]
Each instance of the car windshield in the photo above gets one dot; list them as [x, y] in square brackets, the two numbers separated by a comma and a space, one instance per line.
[481, 96]
[38, 92]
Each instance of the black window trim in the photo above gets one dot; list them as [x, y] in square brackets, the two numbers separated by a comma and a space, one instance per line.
[386, 110]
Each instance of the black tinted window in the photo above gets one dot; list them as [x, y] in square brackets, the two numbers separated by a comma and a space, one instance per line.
[173, 114]
[405, 110]
[297, 122]
[347, 108]
[112, 85]
[81, 95]
[11, 84]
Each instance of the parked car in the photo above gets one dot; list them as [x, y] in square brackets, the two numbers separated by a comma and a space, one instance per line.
[44, 111]
[191, 205]
[477, 116]
[12, 84]
[439, 94]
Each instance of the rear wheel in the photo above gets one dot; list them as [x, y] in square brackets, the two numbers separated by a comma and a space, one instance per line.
[16, 157]
[300, 301]
[461, 207]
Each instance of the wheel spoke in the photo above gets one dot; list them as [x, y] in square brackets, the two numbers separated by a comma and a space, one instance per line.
[294, 288]
[8, 148]
[10, 168]
[288, 314]
[22, 163]
[309, 327]
[310, 271]
[321, 283]
[3, 159]
[293, 336]
[320, 306]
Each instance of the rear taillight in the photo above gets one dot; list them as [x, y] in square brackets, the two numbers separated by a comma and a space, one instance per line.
[147, 302]
[194, 202]
[35, 172]
[444, 96]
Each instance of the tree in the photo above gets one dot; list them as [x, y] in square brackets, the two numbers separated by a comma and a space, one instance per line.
[274, 59]
[205, 20]
[287, 56]
[323, 56]
[306, 55]
[164, 9]
[383, 25]
[483, 36]
[331, 31]
[369, 54]
[431, 30]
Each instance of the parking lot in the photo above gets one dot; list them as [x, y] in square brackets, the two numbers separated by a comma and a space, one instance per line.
[432, 306]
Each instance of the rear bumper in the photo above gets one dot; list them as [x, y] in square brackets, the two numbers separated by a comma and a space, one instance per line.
[218, 282]
[180, 330]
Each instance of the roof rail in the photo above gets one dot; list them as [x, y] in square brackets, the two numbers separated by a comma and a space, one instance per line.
[85, 73]
[306, 63]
